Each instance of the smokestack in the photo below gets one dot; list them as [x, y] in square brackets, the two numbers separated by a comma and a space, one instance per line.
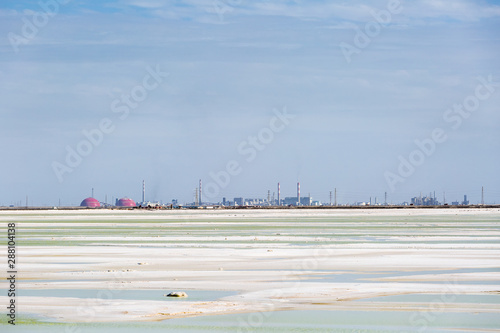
[201, 202]
[279, 194]
[298, 194]
[143, 191]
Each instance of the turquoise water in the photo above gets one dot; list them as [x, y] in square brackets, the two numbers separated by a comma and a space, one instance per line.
[153, 295]
[287, 321]
[344, 232]
[430, 298]
[367, 277]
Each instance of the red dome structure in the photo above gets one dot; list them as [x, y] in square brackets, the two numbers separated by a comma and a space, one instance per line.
[90, 202]
[126, 202]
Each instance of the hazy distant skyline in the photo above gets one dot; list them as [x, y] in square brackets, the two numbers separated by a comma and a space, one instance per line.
[183, 90]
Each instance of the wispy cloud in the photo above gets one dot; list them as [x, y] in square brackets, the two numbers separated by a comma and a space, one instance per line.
[227, 75]
[461, 10]
[352, 11]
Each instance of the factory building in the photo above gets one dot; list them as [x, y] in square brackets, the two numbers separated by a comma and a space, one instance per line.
[125, 202]
[293, 201]
[306, 201]
[90, 203]
[424, 201]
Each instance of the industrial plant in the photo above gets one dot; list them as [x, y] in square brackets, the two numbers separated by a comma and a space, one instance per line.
[272, 200]
[124, 202]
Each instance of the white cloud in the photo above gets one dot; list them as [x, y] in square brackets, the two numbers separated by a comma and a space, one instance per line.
[234, 73]
[147, 4]
[225, 11]
[461, 10]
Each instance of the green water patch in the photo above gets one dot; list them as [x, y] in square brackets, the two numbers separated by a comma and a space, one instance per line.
[26, 321]
[284, 322]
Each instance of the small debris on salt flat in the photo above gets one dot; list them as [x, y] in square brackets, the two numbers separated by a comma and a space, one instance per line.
[176, 294]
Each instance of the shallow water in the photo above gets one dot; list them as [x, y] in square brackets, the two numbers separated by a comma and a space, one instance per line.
[429, 298]
[152, 295]
[287, 321]
[283, 233]
[372, 276]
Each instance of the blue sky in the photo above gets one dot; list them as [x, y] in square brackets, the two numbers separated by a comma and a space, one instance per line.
[231, 66]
